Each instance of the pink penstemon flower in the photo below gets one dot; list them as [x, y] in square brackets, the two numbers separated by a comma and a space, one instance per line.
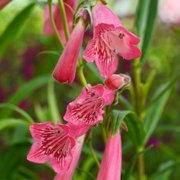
[110, 168]
[86, 110]
[54, 144]
[66, 66]
[75, 154]
[110, 39]
[48, 29]
[117, 81]
[3, 3]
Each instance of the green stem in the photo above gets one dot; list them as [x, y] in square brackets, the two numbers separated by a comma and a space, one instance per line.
[138, 105]
[53, 24]
[140, 165]
[64, 19]
[79, 71]
[86, 172]
[92, 152]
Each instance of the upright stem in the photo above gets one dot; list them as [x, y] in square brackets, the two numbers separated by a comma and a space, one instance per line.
[64, 19]
[138, 109]
[92, 152]
[53, 24]
[79, 71]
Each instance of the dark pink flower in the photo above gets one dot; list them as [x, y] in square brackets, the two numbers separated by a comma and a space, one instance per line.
[66, 66]
[117, 81]
[3, 3]
[75, 154]
[110, 39]
[111, 163]
[52, 143]
[87, 108]
[48, 29]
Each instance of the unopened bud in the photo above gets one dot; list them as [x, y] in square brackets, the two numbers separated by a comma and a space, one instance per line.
[117, 81]
[84, 13]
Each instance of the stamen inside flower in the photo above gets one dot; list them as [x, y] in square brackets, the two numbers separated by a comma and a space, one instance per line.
[121, 35]
[86, 112]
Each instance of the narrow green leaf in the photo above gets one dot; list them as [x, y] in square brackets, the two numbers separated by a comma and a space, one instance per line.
[53, 104]
[129, 169]
[160, 172]
[14, 28]
[150, 27]
[40, 3]
[146, 16]
[116, 119]
[15, 108]
[24, 91]
[135, 129]
[10, 122]
[39, 113]
[161, 90]
[57, 53]
[154, 114]
[141, 16]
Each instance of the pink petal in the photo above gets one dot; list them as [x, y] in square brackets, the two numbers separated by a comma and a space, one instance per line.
[53, 144]
[102, 14]
[36, 154]
[66, 66]
[77, 130]
[89, 111]
[111, 163]
[36, 129]
[90, 52]
[76, 154]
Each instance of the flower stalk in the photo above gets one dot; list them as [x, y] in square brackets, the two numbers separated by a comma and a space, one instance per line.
[64, 19]
[53, 24]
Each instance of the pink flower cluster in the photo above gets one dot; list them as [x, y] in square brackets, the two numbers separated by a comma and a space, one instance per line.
[62, 144]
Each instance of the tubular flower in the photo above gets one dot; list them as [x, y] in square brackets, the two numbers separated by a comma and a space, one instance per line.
[48, 29]
[110, 39]
[66, 66]
[3, 3]
[110, 168]
[117, 81]
[75, 154]
[52, 143]
[87, 108]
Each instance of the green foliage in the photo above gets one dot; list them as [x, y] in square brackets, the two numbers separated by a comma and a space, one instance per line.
[154, 114]
[129, 169]
[24, 91]
[14, 28]
[146, 16]
[11, 122]
[135, 127]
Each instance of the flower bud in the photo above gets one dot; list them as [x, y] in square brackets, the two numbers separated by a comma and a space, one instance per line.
[117, 81]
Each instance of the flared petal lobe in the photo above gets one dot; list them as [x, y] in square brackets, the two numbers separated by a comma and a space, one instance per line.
[86, 110]
[52, 143]
[48, 29]
[110, 168]
[66, 66]
[110, 39]
[75, 157]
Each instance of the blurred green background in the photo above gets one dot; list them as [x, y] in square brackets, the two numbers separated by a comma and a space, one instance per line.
[25, 80]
